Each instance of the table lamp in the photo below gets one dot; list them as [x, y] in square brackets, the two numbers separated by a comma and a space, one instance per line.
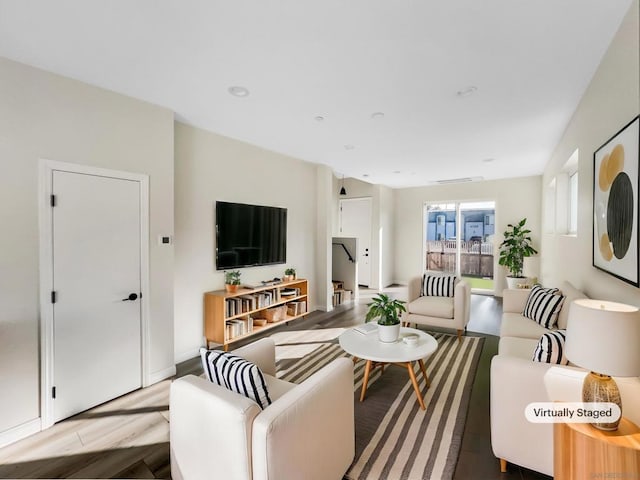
[604, 337]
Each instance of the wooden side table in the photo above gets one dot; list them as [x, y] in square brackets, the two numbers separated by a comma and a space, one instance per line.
[582, 451]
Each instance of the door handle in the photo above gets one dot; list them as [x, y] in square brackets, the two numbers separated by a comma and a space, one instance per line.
[131, 297]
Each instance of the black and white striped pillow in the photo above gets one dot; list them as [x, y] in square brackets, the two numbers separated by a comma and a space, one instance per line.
[236, 374]
[438, 285]
[550, 348]
[543, 305]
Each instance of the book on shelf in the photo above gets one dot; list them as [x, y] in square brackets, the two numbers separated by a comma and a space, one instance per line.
[248, 303]
[238, 326]
[290, 292]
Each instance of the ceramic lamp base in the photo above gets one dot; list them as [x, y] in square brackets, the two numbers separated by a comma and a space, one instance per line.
[601, 388]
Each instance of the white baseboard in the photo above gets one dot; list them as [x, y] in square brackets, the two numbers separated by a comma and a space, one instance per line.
[188, 355]
[160, 375]
[21, 431]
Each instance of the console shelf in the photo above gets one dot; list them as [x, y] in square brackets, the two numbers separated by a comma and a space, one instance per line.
[229, 317]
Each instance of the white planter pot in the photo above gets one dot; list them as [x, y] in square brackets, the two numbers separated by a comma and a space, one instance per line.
[388, 333]
[514, 282]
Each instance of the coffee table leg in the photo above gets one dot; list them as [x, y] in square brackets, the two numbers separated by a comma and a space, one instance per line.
[424, 373]
[367, 371]
[415, 385]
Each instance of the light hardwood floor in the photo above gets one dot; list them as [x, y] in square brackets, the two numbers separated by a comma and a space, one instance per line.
[129, 436]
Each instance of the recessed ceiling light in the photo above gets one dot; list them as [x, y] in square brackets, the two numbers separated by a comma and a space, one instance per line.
[349, 147]
[377, 115]
[466, 92]
[488, 160]
[319, 118]
[238, 91]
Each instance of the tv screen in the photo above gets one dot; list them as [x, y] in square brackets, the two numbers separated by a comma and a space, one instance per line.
[248, 235]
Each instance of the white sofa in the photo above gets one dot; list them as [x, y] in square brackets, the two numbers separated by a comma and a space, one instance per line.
[442, 312]
[307, 432]
[516, 381]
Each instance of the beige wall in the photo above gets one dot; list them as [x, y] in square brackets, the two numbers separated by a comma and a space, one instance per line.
[515, 199]
[47, 116]
[387, 235]
[610, 102]
[210, 167]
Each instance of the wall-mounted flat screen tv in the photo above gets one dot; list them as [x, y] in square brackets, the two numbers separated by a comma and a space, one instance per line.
[249, 235]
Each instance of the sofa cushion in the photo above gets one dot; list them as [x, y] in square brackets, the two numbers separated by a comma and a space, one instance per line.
[277, 387]
[517, 347]
[543, 305]
[571, 293]
[516, 325]
[438, 285]
[550, 348]
[439, 307]
[236, 374]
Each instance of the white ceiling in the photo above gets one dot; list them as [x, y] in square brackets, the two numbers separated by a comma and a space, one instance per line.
[531, 61]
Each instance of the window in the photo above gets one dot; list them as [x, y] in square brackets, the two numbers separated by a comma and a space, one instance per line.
[550, 207]
[573, 203]
[561, 202]
[459, 240]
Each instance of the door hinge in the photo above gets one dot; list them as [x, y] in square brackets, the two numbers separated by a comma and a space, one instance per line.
[53, 200]
[53, 297]
[53, 392]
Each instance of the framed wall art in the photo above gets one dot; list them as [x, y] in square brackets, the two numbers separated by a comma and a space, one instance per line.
[615, 204]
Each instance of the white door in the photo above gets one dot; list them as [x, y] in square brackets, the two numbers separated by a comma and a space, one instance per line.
[96, 275]
[355, 221]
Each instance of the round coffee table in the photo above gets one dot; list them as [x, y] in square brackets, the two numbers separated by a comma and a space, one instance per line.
[376, 353]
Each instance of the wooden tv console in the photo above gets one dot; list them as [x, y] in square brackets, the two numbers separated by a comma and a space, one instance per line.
[229, 317]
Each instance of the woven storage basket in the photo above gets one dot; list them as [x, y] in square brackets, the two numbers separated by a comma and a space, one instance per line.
[275, 314]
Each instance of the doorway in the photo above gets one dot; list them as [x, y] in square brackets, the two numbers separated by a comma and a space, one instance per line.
[94, 257]
[355, 221]
[459, 239]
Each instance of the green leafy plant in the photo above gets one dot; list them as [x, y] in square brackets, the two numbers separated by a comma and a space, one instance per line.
[290, 271]
[385, 309]
[232, 277]
[515, 246]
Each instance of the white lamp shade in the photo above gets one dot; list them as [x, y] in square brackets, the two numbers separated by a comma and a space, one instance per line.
[604, 337]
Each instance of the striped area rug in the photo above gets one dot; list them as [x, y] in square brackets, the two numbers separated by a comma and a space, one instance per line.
[395, 439]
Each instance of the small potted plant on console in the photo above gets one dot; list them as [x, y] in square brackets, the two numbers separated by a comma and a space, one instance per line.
[289, 274]
[387, 311]
[232, 280]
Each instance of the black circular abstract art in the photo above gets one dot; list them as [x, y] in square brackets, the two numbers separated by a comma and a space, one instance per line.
[620, 214]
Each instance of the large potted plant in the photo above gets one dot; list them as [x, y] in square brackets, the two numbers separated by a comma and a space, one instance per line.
[387, 311]
[232, 280]
[515, 246]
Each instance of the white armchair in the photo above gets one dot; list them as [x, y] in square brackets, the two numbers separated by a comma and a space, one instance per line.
[516, 381]
[443, 312]
[307, 432]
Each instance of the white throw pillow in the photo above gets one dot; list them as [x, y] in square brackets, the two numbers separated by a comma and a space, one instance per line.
[550, 348]
[236, 374]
